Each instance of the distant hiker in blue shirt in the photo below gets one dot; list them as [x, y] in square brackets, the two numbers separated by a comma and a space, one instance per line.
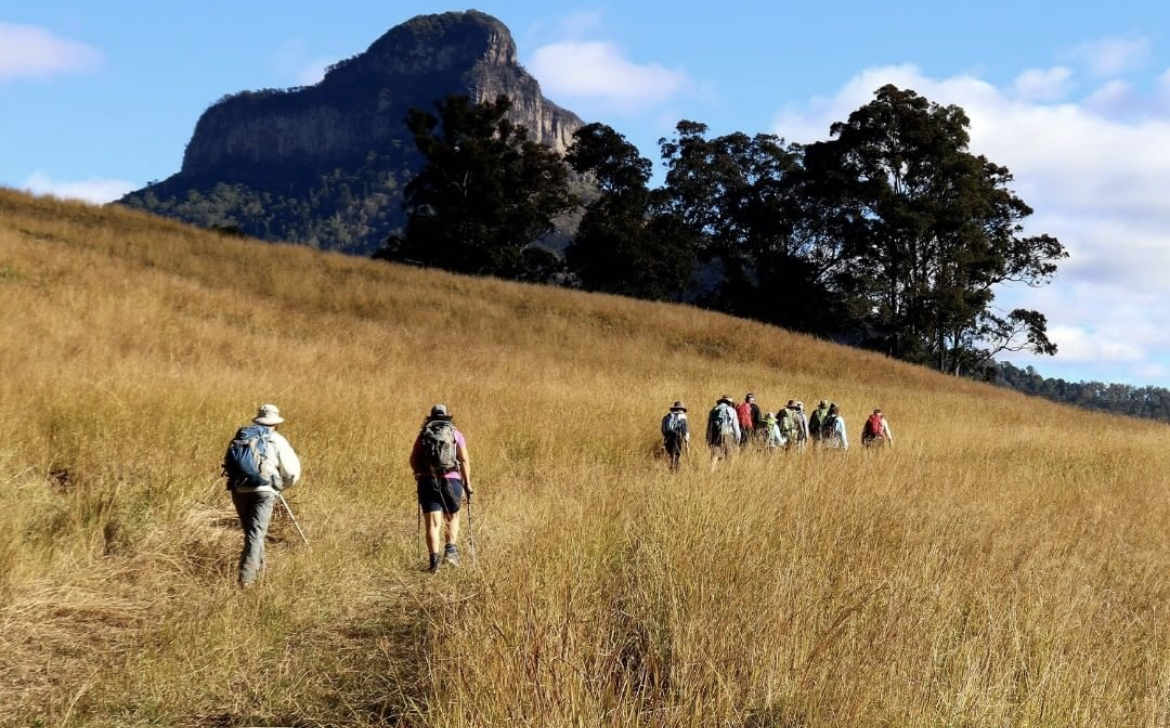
[676, 433]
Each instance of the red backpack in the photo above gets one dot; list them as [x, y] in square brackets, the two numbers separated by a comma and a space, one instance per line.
[744, 411]
[873, 427]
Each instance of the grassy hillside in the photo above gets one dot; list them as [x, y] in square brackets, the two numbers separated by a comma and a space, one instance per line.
[1006, 565]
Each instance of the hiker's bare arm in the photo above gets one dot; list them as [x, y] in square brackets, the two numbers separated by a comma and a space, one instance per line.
[464, 466]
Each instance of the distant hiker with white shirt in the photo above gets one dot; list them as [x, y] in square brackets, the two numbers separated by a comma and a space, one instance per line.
[773, 438]
[876, 432]
[676, 433]
[259, 464]
[801, 426]
[833, 430]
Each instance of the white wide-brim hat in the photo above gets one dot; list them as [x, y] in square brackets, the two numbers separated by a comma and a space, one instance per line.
[269, 414]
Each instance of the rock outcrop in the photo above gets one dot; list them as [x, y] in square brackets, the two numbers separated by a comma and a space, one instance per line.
[325, 164]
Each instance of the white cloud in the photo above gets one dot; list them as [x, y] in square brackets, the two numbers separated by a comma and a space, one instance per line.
[28, 51]
[599, 71]
[1081, 345]
[1043, 84]
[1096, 180]
[1113, 55]
[97, 191]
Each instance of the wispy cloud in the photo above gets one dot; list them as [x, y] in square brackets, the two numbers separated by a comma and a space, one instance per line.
[1043, 84]
[600, 72]
[97, 191]
[577, 24]
[297, 66]
[30, 51]
[1096, 181]
[1113, 55]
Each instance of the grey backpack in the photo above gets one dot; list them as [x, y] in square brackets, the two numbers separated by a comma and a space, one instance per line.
[438, 446]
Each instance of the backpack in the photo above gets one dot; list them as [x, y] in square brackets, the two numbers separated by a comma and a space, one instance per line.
[438, 446]
[829, 427]
[873, 428]
[245, 456]
[719, 423]
[744, 411]
[817, 420]
[787, 424]
[673, 425]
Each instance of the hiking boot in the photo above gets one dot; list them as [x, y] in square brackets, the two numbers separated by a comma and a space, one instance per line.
[434, 567]
[451, 556]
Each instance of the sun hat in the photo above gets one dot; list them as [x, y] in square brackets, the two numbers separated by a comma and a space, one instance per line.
[823, 403]
[439, 412]
[799, 406]
[678, 405]
[791, 404]
[725, 398]
[269, 415]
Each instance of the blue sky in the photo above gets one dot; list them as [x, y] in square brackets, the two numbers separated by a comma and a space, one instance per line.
[97, 99]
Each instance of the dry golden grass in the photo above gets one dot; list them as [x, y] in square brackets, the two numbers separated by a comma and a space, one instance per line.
[1005, 565]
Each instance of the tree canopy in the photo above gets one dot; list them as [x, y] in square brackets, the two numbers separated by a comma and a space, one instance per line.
[485, 195]
[627, 243]
[891, 234]
[929, 230]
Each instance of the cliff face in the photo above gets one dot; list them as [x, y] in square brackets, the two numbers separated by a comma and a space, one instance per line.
[360, 104]
[325, 151]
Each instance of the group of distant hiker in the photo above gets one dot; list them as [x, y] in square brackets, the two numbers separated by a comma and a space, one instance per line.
[732, 427]
[260, 464]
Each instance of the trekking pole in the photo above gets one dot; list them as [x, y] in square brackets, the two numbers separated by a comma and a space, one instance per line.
[292, 517]
[418, 532]
[470, 531]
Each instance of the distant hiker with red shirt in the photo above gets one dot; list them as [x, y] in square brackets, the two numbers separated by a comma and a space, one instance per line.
[747, 413]
[876, 432]
[442, 472]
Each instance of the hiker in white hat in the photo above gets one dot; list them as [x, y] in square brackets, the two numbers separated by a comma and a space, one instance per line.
[676, 433]
[723, 433]
[259, 464]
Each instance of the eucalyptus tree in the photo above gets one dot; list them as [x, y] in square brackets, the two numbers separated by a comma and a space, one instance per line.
[485, 195]
[625, 243]
[928, 231]
[736, 195]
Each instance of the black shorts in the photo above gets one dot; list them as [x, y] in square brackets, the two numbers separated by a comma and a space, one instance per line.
[440, 494]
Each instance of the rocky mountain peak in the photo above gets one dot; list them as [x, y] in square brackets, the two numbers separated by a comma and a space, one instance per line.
[360, 104]
[325, 164]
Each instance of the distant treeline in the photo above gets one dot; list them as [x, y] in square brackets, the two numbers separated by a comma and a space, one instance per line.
[889, 236]
[1151, 403]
